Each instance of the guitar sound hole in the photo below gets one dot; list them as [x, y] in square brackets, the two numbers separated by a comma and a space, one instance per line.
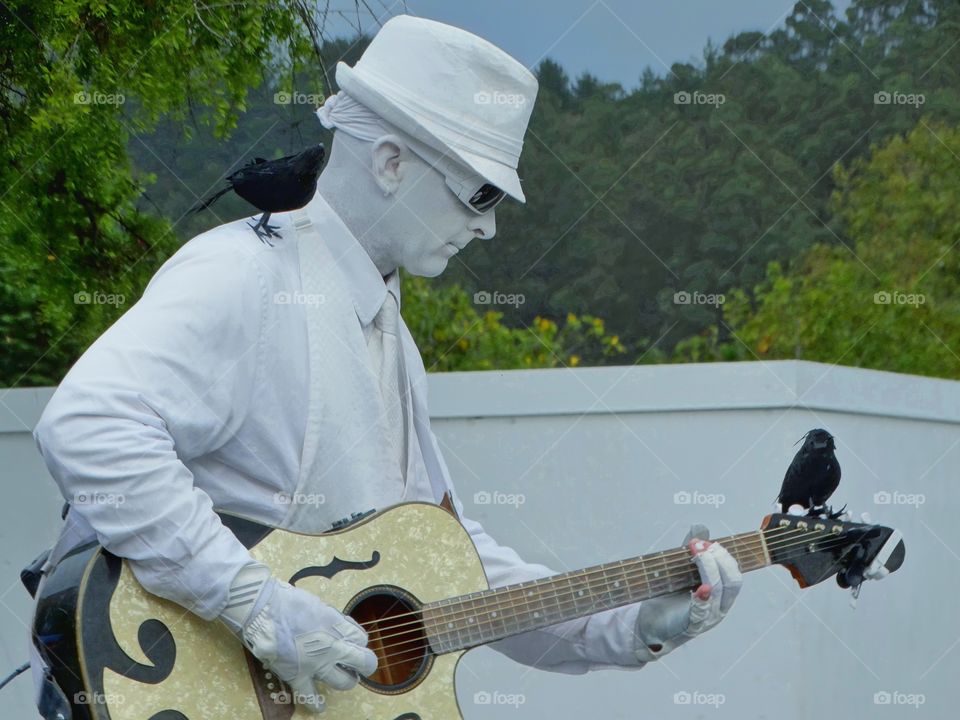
[392, 619]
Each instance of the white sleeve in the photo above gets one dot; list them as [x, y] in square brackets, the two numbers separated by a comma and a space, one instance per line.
[169, 381]
[595, 642]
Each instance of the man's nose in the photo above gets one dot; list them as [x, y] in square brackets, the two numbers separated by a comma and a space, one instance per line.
[484, 226]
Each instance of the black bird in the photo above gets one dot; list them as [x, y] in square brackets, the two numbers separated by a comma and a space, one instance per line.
[813, 476]
[287, 183]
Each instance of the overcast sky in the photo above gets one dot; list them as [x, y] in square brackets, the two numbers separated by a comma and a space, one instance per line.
[613, 39]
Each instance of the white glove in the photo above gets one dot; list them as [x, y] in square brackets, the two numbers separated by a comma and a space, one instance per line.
[296, 635]
[667, 622]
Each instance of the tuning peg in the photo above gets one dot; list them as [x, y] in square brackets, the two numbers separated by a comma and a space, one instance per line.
[855, 595]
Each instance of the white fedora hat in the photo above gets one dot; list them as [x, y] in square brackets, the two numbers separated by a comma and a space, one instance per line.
[449, 89]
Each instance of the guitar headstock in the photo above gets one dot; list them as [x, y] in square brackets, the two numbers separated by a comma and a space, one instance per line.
[814, 549]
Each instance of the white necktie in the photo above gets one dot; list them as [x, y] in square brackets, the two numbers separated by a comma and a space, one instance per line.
[383, 343]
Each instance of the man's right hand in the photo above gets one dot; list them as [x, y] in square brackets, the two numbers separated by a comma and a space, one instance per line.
[297, 636]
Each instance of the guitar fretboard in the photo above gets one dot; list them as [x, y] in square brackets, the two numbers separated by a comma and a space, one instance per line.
[483, 617]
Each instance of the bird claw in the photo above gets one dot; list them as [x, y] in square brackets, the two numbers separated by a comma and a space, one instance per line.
[834, 515]
[825, 512]
[264, 231]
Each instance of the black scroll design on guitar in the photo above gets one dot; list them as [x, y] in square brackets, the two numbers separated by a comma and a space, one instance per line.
[103, 650]
[154, 638]
[408, 716]
[336, 565]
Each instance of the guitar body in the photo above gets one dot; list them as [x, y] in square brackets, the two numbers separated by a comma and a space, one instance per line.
[121, 653]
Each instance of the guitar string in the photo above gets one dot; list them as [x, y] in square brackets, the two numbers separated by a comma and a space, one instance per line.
[625, 569]
[626, 575]
[566, 596]
[421, 645]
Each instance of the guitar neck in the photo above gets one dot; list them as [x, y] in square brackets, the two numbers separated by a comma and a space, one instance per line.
[479, 618]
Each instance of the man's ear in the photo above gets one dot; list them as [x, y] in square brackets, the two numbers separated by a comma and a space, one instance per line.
[387, 152]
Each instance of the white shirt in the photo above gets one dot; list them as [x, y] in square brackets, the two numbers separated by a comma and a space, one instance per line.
[194, 400]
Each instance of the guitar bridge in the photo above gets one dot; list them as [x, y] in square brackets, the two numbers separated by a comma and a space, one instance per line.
[273, 695]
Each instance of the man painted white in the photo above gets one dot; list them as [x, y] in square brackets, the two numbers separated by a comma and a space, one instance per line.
[244, 379]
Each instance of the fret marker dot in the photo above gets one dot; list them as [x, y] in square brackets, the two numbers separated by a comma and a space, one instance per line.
[493, 614]
[580, 592]
[617, 584]
[450, 625]
[469, 620]
[536, 614]
[656, 574]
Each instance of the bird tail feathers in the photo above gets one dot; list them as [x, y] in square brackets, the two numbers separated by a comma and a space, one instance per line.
[210, 200]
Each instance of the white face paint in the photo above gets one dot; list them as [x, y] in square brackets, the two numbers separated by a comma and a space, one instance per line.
[426, 224]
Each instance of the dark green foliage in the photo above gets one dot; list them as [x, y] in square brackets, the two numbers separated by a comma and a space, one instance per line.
[632, 196]
[894, 303]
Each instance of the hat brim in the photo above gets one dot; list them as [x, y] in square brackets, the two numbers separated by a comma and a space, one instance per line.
[355, 85]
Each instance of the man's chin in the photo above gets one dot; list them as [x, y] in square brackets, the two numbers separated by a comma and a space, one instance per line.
[427, 267]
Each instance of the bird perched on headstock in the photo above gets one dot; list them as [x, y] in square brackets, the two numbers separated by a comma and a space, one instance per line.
[280, 185]
[813, 476]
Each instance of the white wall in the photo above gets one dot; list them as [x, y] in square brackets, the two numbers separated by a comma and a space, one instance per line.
[597, 455]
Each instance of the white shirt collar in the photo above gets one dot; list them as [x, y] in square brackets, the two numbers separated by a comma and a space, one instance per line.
[368, 289]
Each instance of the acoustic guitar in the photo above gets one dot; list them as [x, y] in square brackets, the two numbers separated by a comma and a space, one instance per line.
[410, 576]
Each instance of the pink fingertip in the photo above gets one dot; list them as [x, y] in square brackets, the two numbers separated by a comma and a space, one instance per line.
[703, 592]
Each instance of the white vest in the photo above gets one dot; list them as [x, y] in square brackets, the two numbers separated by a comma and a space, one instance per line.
[351, 482]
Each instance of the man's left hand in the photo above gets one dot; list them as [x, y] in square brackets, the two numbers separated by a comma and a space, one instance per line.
[667, 622]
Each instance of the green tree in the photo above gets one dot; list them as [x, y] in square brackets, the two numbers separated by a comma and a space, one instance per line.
[453, 334]
[893, 303]
[78, 80]
[633, 197]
